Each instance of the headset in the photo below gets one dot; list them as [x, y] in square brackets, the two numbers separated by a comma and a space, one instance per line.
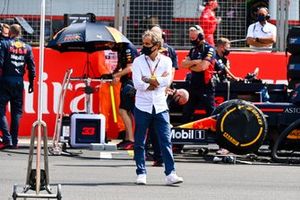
[198, 28]
[268, 15]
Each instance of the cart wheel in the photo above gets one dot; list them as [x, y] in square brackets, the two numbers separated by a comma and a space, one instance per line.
[203, 151]
[59, 197]
[64, 146]
[241, 127]
[286, 147]
[14, 195]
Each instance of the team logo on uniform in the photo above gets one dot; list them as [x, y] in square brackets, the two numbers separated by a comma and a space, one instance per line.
[18, 47]
[210, 52]
[18, 44]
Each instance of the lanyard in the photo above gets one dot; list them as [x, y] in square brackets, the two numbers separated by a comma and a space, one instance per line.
[152, 72]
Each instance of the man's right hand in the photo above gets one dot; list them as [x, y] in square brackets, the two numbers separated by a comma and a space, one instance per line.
[151, 87]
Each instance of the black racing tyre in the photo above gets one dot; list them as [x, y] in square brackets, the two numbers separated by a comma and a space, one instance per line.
[225, 104]
[285, 149]
[241, 127]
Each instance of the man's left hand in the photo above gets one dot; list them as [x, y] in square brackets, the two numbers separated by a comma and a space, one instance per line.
[153, 81]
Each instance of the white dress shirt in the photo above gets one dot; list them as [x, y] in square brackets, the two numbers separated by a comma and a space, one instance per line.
[146, 99]
[256, 30]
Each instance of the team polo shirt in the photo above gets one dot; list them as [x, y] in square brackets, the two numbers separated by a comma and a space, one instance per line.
[201, 80]
[256, 30]
[126, 54]
[220, 67]
[15, 55]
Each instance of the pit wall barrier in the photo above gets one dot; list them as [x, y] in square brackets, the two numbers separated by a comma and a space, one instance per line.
[272, 69]
[272, 66]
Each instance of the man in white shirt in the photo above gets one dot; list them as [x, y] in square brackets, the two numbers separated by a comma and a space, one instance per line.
[261, 34]
[151, 74]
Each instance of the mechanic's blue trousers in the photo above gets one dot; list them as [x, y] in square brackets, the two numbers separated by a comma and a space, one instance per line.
[14, 95]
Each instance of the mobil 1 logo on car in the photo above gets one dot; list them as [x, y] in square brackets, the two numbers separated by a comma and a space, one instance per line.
[184, 135]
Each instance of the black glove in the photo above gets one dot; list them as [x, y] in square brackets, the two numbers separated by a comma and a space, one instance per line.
[131, 92]
[30, 87]
[106, 76]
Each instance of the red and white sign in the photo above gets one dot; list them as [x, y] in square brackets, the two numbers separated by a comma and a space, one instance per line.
[272, 69]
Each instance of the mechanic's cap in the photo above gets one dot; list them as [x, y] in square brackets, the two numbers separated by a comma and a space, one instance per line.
[196, 28]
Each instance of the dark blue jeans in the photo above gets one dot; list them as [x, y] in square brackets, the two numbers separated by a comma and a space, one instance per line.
[153, 136]
[161, 124]
[14, 95]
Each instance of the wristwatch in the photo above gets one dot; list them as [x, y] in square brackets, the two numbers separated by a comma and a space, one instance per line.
[147, 80]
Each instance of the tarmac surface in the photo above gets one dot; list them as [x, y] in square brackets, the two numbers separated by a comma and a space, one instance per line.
[95, 175]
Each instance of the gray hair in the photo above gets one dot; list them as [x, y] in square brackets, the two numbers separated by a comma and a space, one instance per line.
[155, 38]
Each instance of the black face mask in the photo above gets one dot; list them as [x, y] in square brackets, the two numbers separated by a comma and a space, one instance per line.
[261, 18]
[196, 42]
[226, 52]
[147, 50]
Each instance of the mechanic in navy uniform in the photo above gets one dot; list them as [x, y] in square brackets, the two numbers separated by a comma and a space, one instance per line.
[15, 56]
[223, 75]
[222, 64]
[4, 35]
[200, 61]
[127, 52]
